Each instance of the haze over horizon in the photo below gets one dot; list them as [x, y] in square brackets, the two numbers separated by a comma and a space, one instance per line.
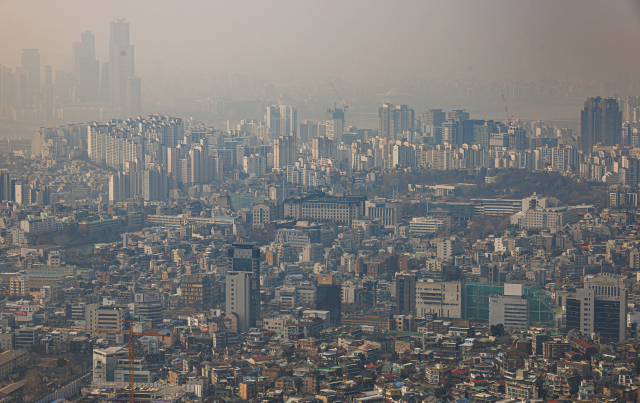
[293, 41]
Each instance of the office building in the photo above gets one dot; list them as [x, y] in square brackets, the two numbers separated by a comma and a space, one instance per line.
[111, 365]
[238, 298]
[335, 125]
[394, 120]
[288, 120]
[272, 119]
[446, 249]
[121, 64]
[147, 306]
[600, 308]
[510, 309]
[445, 299]
[387, 210]
[243, 284]
[307, 131]
[107, 317]
[329, 297]
[327, 209]
[432, 118]
[553, 218]
[197, 291]
[405, 293]
[421, 226]
[284, 151]
[600, 122]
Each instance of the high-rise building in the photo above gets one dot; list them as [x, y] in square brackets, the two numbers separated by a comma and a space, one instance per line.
[87, 68]
[335, 125]
[107, 317]
[284, 151]
[329, 297]
[31, 62]
[148, 306]
[458, 114]
[385, 116]
[452, 132]
[288, 120]
[238, 299]
[405, 293]
[112, 365]
[272, 119]
[600, 308]
[243, 284]
[403, 120]
[5, 186]
[116, 188]
[511, 309]
[432, 118]
[600, 122]
[197, 291]
[394, 120]
[308, 130]
[445, 299]
[121, 62]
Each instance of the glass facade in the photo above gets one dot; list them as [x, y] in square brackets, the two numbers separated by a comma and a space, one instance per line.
[477, 301]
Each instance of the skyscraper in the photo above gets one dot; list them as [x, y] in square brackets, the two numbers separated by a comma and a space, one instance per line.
[403, 120]
[394, 120]
[86, 49]
[385, 115]
[590, 313]
[329, 297]
[405, 293]
[288, 120]
[284, 151]
[121, 62]
[5, 186]
[31, 62]
[243, 284]
[600, 122]
[335, 124]
[86, 67]
[272, 118]
[432, 118]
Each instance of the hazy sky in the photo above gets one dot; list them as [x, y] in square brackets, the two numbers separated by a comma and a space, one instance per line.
[352, 39]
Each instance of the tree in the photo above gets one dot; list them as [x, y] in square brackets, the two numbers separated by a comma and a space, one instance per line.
[440, 392]
[497, 330]
[61, 362]
[33, 384]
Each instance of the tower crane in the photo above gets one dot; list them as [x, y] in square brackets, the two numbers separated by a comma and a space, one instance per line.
[507, 110]
[130, 333]
[343, 103]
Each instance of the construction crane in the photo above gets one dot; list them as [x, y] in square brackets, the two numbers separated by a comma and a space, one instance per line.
[506, 110]
[130, 333]
[343, 103]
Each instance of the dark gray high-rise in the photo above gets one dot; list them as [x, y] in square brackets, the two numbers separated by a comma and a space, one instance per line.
[243, 284]
[405, 293]
[600, 122]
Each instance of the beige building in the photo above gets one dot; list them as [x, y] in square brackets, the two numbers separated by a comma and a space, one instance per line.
[554, 218]
[388, 211]
[443, 298]
[11, 359]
